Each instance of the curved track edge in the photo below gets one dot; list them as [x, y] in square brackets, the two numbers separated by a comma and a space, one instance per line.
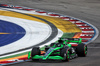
[89, 32]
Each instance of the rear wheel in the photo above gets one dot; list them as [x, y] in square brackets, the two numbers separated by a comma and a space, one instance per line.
[65, 54]
[81, 50]
[35, 51]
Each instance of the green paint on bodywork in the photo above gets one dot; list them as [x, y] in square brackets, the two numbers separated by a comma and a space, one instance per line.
[69, 45]
[85, 50]
[48, 53]
[50, 57]
[29, 55]
[68, 55]
[72, 40]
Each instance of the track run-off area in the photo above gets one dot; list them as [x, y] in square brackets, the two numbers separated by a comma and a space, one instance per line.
[22, 28]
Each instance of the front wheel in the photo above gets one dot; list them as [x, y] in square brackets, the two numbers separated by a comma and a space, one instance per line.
[81, 50]
[35, 51]
[65, 54]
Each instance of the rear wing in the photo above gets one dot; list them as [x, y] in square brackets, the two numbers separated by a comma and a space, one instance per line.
[73, 40]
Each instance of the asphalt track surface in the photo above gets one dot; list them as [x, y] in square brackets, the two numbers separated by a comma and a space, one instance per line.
[88, 10]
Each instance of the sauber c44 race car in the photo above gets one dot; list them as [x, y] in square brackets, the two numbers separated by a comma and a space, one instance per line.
[61, 50]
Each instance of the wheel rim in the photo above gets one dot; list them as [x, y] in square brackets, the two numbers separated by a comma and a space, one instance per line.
[85, 50]
[68, 56]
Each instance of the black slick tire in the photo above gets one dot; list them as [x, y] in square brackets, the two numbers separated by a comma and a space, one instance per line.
[35, 51]
[81, 50]
[65, 54]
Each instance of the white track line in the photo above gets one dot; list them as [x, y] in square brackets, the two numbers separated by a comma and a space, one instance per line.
[34, 31]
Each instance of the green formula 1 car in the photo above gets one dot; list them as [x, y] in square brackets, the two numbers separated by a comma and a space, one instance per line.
[60, 50]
